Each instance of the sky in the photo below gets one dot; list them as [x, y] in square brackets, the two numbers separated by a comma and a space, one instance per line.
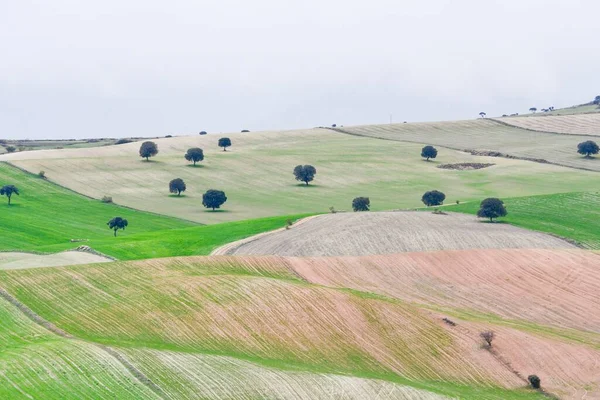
[117, 68]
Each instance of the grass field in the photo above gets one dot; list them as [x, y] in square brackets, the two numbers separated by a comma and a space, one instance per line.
[256, 173]
[488, 135]
[569, 215]
[45, 217]
[168, 316]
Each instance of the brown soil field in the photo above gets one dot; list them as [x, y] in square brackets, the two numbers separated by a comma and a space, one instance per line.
[369, 233]
[18, 260]
[577, 124]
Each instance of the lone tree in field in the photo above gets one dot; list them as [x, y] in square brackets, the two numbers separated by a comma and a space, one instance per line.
[117, 223]
[148, 149]
[305, 173]
[491, 208]
[488, 337]
[588, 148]
[361, 204]
[433, 198]
[8, 191]
[482, 114]
[194, 154]
[224, 143]
[533, 109]
[202, 132]
[534, 381]
[177, 185]
[428, 152]
[213, 199]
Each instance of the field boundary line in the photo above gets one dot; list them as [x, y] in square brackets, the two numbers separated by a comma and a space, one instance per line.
[39, 320]
[473, 152]
[95, 199]
[498, 121]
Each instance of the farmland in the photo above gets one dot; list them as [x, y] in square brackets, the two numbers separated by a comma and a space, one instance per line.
[576, 124]
[256, 172]
[484, 135]
[392, 232]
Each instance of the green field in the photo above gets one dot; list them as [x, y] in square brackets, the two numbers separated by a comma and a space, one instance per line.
[45, 217]
[569, 215]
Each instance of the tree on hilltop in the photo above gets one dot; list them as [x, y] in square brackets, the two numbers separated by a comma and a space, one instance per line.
[177, 185]
[305, 173]
[194, 154]
[597, 100]
[588, 148]
[8, 191]
[433, 198]
[224, 143]
[533, 109]
[361, 204]
[213, 199]
[428, 152]
[482, 114]
[492, 208]
[148, 149]
[117, 223]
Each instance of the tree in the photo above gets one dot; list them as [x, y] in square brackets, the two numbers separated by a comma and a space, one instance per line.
[11, 149]
[194, 154]
[202, 132]
[534, 381]
[433, 198]
[482, 114]
[588, 148]
[245, 131]
[224, 143]
[117, 223]
[8, 191]
[361, 204]
[305, 173]
[213, 199]
[148, 149]
[597, 100]
[491, 208]
[177, 185]
[428, 152]
[533, 109]
[488, 337]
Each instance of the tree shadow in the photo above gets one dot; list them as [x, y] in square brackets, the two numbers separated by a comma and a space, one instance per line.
[195, 166]
[176, 196]
[304, 185]
[218, 210]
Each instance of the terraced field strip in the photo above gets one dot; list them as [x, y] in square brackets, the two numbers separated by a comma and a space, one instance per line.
[570, 215]
[391, 232]
[486, 135]
[259, 311]
[17, 260]
[256, 172]
[578, 124]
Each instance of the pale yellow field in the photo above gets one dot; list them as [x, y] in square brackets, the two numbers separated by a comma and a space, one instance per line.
[577, 124]
[256, 174]
[16, 260]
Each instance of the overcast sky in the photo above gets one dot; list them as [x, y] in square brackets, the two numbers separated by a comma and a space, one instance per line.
[114, 68]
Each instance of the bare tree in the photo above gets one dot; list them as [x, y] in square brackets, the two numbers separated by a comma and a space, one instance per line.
[488, 337]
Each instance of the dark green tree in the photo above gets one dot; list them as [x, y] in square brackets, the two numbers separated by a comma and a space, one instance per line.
[203, 132]
[117, 223]
[8, 191]
[534, 381]
[361, 204]
[194, 154]
[177, 185]
[428, 152]
[224, 143]
[11, 149]
[148, 149]
[533, 109]
[492, 208]
[588, 148]
[433, 198]
[213, 199]
[597, 100]
[305, 173]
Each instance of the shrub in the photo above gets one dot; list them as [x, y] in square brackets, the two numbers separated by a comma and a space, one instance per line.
[42, 174]
[588, 148]
[429, 152]
[203, 132]
[11, 149]
[168, 136]
[492, 208]
[488, 337]
[433, 198]
[123, 141]
[148, 149]
[106, 199]
[535, 381]
[361, 204]
[245, 131]
[305, 173]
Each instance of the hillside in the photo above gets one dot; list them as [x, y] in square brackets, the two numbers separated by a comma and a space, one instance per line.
[390, 232]
[256, 172]
[170, 315]
[576, 124]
